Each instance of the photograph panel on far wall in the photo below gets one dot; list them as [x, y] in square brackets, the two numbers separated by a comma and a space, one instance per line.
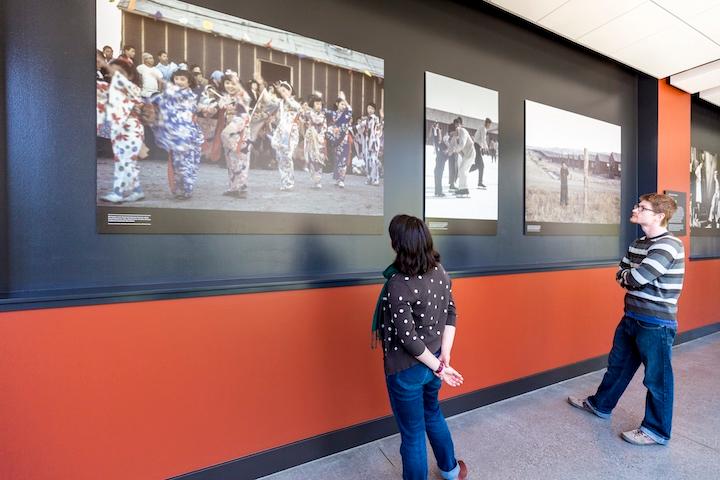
[461, 157]
[209, 123]
[573, 166]
[704, 193]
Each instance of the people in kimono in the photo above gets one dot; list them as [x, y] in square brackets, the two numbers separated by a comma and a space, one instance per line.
[177, 132]
[209, 119]
[235, 105]
[315, 147]
[286, 135]
[371, 138]
[126, 132]
[338, 138]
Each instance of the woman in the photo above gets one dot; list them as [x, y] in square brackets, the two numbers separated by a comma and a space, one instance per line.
[178, 133]
[415, 321]
[126, 132]
[338, 138]
[235, 102]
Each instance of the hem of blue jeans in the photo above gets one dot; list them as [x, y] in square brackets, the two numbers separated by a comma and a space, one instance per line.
[658, 438]
[597, 412]
[452, 474]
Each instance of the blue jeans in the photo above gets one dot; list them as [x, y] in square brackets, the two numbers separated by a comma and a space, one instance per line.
[414, 399]
[639, 342]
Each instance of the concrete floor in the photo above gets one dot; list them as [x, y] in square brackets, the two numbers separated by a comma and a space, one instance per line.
[539, 436]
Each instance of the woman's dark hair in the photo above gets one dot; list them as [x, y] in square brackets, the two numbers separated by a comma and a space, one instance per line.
[184, 73]
[312, 99]
[130, 71]
[413, 244]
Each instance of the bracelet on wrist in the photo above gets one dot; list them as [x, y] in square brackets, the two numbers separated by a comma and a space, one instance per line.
[440, 368]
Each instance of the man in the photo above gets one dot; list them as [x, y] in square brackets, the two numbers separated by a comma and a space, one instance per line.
[166, 67]
[200, 81]
[481, 146]
[652, 274]
[440, 157]
[564, 174]
[463, 146]
[152, 79]
[128, 54]
[108, 53]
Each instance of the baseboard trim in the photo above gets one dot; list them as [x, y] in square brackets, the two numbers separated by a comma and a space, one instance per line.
[287, 456]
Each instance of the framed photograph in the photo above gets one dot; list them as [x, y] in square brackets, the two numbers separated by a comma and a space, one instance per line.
[210, 123]
[704, 193]
[573, 166]
[461, 157]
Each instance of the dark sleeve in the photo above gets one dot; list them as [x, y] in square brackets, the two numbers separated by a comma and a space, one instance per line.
[400, 301]
[451, 311]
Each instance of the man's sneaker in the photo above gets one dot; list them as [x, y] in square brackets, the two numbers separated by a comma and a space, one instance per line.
[113, 198]
[638, 437]
[583, 404]
[135, 196]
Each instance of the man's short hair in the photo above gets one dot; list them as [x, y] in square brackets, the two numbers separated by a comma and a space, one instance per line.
[161, 52]
[458, 121]
[128, 47]
[661, 203]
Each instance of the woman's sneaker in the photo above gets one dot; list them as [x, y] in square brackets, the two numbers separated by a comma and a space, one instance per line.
[582, 404]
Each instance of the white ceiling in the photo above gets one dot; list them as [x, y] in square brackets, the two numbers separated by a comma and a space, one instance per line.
[659, 37]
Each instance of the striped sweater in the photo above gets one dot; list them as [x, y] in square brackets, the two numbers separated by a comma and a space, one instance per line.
[652, 272]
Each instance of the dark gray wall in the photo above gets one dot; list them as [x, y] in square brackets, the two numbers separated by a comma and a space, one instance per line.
[51, 151]
[704, 135]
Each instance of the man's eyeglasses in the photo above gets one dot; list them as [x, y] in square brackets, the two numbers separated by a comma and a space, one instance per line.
[643, 208]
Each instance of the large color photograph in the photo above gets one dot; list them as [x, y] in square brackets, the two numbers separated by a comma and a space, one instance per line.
[209, 123]
[573, 166]
[461, 157]
[704, 193]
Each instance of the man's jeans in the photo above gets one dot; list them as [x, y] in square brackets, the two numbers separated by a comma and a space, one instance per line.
[414, 399]
[639, 342]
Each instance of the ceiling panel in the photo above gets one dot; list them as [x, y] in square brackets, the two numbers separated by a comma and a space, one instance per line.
[686, 9]
[532, 10]
[630, 28]
[578, 17]
[712, 96]
[669, 51]
[698, 78]
[708, 22]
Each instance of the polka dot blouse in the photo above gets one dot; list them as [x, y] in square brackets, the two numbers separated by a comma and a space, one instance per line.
[415, 312]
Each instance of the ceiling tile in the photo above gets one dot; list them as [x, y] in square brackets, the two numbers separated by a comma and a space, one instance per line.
[712, 96]
[532, 10]
[670, 51]
[578, 17]
[708, 22]
[686, 9]
[627, 29]
[699, 78]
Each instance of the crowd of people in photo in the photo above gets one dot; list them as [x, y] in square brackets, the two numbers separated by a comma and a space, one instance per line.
[463, 152]
[144, 108]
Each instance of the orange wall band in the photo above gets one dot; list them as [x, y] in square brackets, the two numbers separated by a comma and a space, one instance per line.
[154, 389]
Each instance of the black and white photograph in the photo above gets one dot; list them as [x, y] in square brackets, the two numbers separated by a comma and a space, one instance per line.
[461, 157]
[210, 123]
[573, 167]
[704, 193]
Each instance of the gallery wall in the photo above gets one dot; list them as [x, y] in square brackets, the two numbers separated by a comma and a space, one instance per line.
[53, 240]
[160, 388]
